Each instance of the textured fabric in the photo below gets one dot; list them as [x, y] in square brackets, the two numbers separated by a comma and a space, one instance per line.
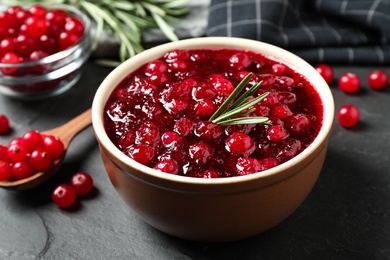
[320, 31]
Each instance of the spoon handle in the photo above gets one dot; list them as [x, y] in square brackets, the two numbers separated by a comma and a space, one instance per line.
[67, 131]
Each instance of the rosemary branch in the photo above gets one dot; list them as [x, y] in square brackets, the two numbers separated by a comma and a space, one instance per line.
[236, 108]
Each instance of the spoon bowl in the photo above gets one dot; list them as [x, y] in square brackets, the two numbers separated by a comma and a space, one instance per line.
[65, 133]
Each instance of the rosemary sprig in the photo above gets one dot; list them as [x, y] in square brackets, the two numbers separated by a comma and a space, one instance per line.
[234, 110]
[124, 19]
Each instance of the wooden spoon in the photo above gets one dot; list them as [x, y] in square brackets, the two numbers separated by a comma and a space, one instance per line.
[65, 133]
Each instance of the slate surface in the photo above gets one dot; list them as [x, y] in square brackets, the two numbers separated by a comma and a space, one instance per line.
[346, 216]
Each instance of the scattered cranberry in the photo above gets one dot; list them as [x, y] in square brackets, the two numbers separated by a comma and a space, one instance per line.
[326, 72]
[378, 79]
[348, 116]
[349, 83]
[4, 124]
[82, 183]
[64, 195]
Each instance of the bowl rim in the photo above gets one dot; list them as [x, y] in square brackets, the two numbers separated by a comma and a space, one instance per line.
[274, 52]
[55, 57]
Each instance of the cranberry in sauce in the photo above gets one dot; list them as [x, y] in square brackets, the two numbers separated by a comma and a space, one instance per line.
[158, 115]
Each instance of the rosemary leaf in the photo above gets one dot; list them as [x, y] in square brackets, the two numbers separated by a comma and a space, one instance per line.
[246, 120]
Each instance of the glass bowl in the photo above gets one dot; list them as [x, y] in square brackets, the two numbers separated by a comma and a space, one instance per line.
[51, 75]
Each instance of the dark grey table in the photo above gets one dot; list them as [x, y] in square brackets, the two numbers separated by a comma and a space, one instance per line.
[346, 216]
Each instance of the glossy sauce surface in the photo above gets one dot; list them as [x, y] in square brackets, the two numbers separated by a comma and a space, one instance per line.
[158, 115]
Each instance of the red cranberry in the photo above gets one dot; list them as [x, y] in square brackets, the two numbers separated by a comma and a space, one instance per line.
[5, 170]
[156, 67]
[17, 152]
[279, 69]
[203, 92]
[7, 45]
[127, 139]
[281, 111]
[53, 146]
[74, 26]
[25, 44]
[277, 133]
[289, 149]
[32, 140]
[21, 170]
[82, 183]
[221, 84]
[240, 144]
[64, 195]
[200, 152]
[378, 79]
[349, 83]
[67, 39]
[184, 126]
[4, 124]
[205, 108]
[40, 160]
[268, 163]
[209, 174]
[326, 72]
[56, 16]
[35, 26]
[148, 133]
[348, 115]
[38, 10]
[141, 153]
[208, 131]
[167, 166]
[168, 138]
[247, 166]
[10, 58]
[298, 124]
[240, 61]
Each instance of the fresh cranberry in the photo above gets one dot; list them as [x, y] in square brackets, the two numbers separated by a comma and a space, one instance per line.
[64, 195]
[22, 170]
[378, 79]
[56, 16]
[141, 153]
[348, 115]
[5, 170]
[40, 160]
[247, 166]
[200, 152]
[48, 44]
[82, 183]
[7, 45]
[3, 153]
[53, 146]
[26, 44]
[4, 124]
[326, 72]
[32, 140]
[35, 26]
[38, 10]
[67, 39]
[167, 166]
[17, 152]
[10, 58]
[240, 144]
[349, 83]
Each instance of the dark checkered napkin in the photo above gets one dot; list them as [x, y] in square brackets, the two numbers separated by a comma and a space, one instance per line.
[320, 31]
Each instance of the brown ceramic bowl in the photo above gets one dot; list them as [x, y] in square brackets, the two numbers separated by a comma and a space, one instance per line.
[214, 210]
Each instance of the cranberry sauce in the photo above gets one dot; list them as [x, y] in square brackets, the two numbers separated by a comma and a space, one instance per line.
[158, 115]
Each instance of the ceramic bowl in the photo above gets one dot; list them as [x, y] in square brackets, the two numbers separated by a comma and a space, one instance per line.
[214, 210]
[53, 74]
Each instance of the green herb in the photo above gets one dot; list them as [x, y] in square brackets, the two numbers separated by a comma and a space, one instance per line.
[124, 19]
[236, 108]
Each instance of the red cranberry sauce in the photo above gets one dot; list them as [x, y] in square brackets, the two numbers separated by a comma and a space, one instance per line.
[158, 115]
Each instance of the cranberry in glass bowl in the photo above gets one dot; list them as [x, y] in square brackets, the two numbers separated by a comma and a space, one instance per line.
[207, 182]
[42, 49]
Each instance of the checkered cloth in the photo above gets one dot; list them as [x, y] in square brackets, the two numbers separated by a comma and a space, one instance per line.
[320, 31]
